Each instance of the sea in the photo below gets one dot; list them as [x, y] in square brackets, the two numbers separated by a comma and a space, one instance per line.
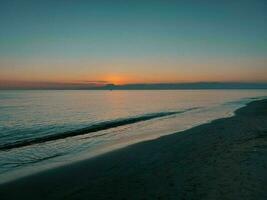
[43, 129]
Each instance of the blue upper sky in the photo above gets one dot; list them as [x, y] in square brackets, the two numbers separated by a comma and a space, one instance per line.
[94, 40]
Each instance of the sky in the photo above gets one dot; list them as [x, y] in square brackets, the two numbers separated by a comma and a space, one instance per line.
[132, 41]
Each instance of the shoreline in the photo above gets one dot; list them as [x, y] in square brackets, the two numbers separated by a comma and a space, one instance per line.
[224, 159]
[31, 170]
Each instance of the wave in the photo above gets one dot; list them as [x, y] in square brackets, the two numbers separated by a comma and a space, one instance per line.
[93, 128]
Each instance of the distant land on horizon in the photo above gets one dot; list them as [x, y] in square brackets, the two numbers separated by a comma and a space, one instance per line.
[138, 86]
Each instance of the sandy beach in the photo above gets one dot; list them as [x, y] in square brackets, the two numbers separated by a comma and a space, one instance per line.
[224, 159]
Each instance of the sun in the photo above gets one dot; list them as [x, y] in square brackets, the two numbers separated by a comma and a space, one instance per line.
[115, 79]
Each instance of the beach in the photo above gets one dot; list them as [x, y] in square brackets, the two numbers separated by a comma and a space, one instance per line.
[224, 159]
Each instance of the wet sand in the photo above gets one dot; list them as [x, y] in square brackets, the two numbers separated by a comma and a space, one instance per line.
[224, 159]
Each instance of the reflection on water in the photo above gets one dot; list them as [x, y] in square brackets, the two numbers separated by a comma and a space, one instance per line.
[29, 115]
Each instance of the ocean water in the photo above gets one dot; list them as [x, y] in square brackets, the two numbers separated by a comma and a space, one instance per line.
[48, 128]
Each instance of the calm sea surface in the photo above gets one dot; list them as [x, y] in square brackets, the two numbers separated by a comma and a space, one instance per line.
[42, 129]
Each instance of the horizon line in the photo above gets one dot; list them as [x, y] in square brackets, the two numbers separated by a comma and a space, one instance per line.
[103, 85]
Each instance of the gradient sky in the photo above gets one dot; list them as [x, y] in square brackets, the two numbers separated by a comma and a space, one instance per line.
[122, 41]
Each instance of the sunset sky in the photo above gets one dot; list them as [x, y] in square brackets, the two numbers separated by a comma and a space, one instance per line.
[134, 41]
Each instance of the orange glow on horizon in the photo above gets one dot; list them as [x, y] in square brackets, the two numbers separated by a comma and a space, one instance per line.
[134, 71]
[117, 79]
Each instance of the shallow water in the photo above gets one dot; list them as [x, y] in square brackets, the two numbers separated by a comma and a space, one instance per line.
[40, 129]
